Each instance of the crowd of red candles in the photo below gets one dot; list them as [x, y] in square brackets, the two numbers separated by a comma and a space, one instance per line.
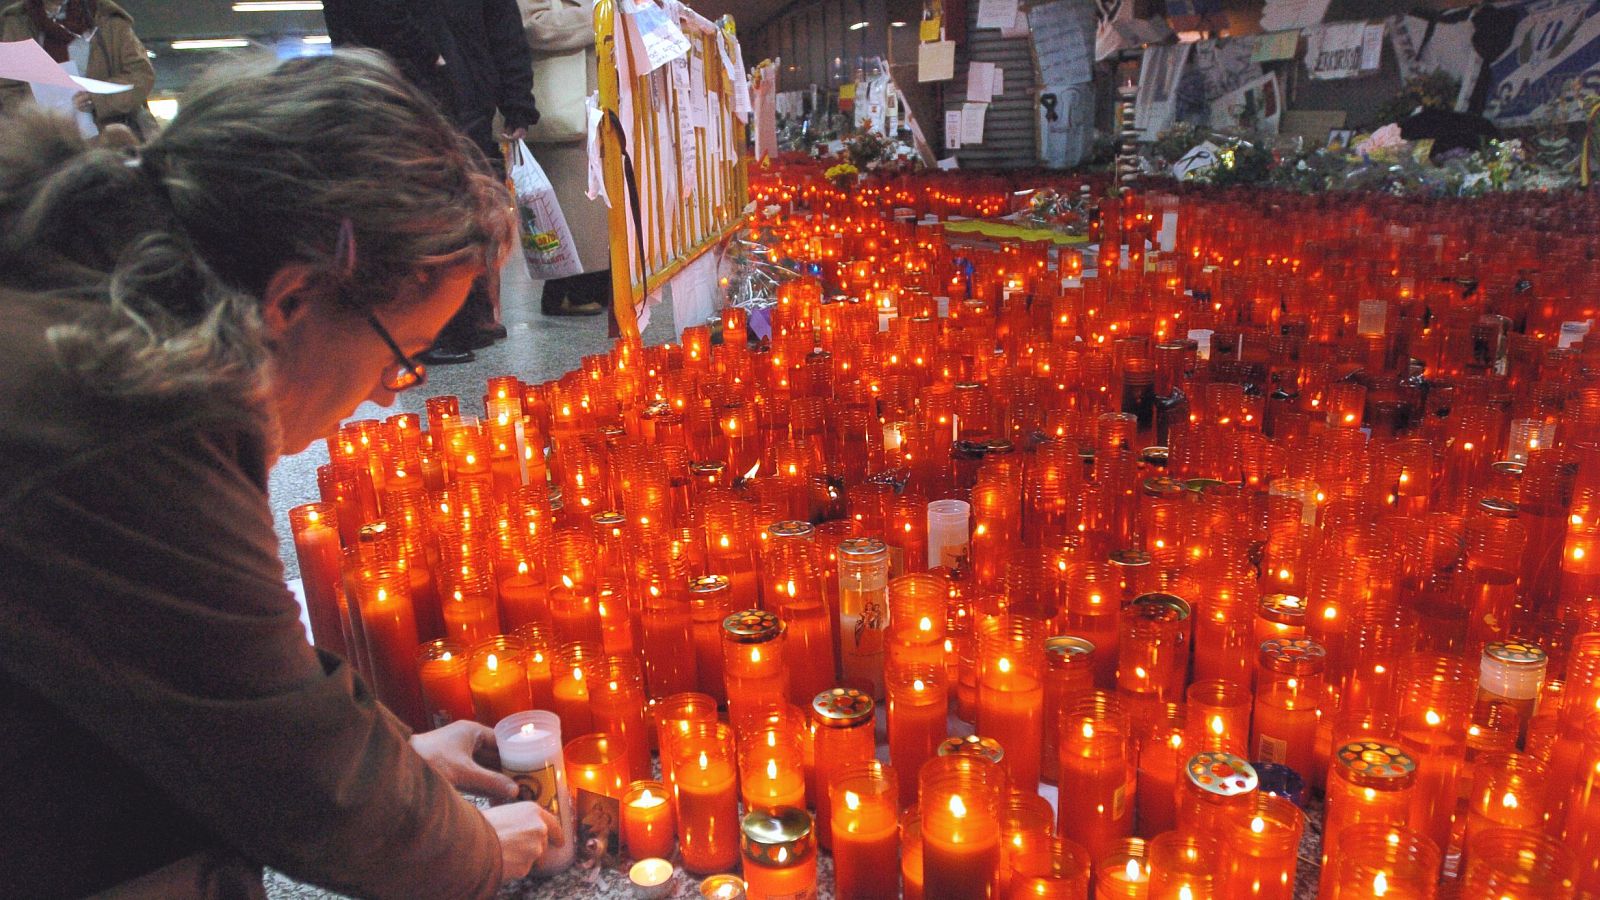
[1314, 493]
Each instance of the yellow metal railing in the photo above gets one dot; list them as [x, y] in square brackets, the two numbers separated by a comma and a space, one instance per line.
[648, 121]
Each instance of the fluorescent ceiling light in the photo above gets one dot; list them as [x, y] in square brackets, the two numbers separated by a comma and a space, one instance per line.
[897, 24]
[316, 39]
[211, 44]
[278, 6]
[859, 25]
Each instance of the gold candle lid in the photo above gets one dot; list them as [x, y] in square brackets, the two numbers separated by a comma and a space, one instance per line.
[1201, 485]
[776, 837]
[842, 708]
[791, 529]
[973, 745]
[1515, 653]
[1158, 608]
[999, 447]
[1293, 656]
[1220, 774]
[707, 467]
[752, 626]
[862, 547]
[609, 519]
[1162, 487]
[1131, 558]
[1065, 648]
[709, 584]
[1157, 456]
[1499, 508]
[1376, 764]
[1285, 609]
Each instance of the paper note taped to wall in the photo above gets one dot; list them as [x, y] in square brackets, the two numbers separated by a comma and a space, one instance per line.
[936, 61]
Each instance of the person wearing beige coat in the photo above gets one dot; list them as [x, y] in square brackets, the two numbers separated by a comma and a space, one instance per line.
[115, 54]
[561, 36]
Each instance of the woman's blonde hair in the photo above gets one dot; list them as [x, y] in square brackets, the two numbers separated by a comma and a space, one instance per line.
[263, 167]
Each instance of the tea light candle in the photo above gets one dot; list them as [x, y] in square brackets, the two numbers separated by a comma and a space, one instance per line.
[647, 827]
[652, 879]
[722, 887]
[529, 744]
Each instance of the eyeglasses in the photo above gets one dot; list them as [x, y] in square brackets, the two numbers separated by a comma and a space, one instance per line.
[404, 372]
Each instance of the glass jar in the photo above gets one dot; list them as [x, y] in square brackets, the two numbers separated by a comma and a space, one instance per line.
[705, 795]
[1183, 865]
[1280, 616]
[780, 855]
[863, 612]
[1218, 716]
[1512, 673]
[1517, 864]
[1153, 653]
[446, 693]
[1011, 693]
[1068, 672]
[842, 722]
[919, 703]
[1215, 786]
[1370, 781]
[710, 602]
[753, 665]
[865, 803]
[1376, 859]
[1059, 870]
[1097, 759]
[917, 609]
[1289, 688]
[1261, 849]
[960, 801]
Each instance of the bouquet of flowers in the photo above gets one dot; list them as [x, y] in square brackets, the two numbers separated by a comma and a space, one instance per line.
[843, 176]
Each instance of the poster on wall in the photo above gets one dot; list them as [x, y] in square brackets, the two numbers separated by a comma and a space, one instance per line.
[1120, 25]
[1226, 64]
[1554, 54]
[1344, 50]
[1063, 42]
[1421, 47]
[1255, 106]
[1286, 15]
[1156, 104]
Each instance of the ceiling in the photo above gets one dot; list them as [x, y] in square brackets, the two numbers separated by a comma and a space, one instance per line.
[161, 21]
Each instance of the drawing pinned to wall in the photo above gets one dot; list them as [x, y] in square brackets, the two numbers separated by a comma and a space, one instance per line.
[1156, 104]
[1225, 65]
[1063, 42]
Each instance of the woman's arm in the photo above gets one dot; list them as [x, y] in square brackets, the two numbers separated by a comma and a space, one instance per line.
[130, 64]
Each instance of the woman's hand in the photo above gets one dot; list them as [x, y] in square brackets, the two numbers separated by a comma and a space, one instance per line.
[526, 830]
[464, 753]
[83, 101]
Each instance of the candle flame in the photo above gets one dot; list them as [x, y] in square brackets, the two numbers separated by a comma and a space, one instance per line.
[755, 654]
[1216, 725]
[1004, 664]
[492, 663]
[527, 729]
[1432, 718]
[1380, 885]
[957, 808]
[704, 762]
[926, 624]
[566, 580]
[1185, 893]
[522, 568]
[1131, 870]
[917, 685]
[852, 801]
[1258, 825]
[1088, 729]
[1509, 801]
[445, 656]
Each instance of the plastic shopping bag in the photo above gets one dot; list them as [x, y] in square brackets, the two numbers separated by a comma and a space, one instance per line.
[546, 240]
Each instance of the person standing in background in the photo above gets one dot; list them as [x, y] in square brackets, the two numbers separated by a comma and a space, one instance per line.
[471, 57]
[560, 34]
[98, 35]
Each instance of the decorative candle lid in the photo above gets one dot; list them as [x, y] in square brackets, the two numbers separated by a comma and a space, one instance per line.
[657, 410]
[707, 467]
[1163, 488]
[1201, 485]
[1130, 558]
[1000, 447]
[1066, 649]
[1375, 764]
[791, 528]
[777, 837]
[1500, 509]
[968, 385]
[1515, 653]
[709, 584]
[1155, 456]
[1509, 467]
[752, 626]
[609, 519]
[862, 549]
[842, 708]
[1285, 609]
[1513, 669]
[1220, 774]
[973, 745]
[1158, 608]
[1293, 656]
[1086, 454]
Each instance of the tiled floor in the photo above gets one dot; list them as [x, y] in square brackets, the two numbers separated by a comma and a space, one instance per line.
[538, 348]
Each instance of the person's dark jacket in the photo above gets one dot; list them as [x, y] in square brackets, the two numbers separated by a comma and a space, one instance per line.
[487, 66]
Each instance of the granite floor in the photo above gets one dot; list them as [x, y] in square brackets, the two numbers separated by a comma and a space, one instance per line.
[538, 348]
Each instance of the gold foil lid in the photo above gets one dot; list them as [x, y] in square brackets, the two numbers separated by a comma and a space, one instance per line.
[1067, 647]
[1221, 774]
[1000, 447]
[1129, 558]
[973, 745]
[1376, 764]
[842, 707]
[1293, 655]
[791, 528]
[709, 584]
[968, 386]
[862, 546]
[1158, 608]
[752, 626]
[1201, 485]
[609, 519]
[1515, 653]
[657, 410]
[776, 837]
[1162, 487]
[1509, 467]
[1156, 456]
[1285, 609]
[707, 467]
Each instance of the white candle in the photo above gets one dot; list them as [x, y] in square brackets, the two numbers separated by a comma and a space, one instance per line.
[948, 535]
[530, 752]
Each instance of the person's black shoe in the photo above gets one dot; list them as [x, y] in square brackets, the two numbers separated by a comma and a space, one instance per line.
[483, 337]
[446, 356]
[569, 308]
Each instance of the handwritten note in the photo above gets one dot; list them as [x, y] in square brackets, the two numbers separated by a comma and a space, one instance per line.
[997, 13]
[999, 82]
[952, 129]
[663, 39]
[972, 118]
[1018, 28]
[1062, 42]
